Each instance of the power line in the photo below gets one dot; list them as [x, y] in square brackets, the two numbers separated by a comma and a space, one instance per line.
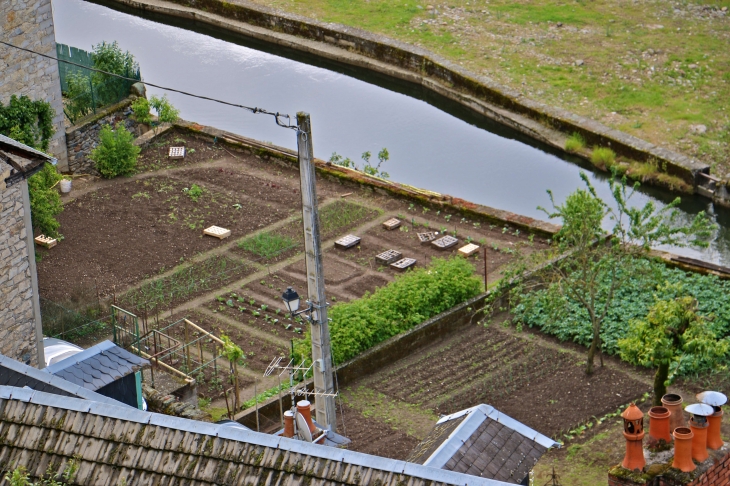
[255, 110]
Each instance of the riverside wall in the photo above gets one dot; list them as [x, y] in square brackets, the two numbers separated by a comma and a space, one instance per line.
[378, 53]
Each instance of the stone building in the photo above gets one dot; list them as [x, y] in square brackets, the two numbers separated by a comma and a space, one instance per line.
[29, 24]
[20, 318]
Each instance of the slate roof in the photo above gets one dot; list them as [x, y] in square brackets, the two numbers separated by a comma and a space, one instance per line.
[482, 441]
[16, 374]
[115, 443]
[97, 366]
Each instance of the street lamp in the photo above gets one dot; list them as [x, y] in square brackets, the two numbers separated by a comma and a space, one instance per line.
[291, 300]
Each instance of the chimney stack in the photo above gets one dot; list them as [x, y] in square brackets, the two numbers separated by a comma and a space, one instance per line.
[634, 434]
[305, 410]
[698, 423]
[673, 403]
[716, 400]
[659, 424]
[289, 424]
[683, 450]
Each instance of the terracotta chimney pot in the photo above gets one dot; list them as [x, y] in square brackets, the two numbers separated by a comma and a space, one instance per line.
[673, 403]
[699, 441]
[288, 424]
[683, 449]
[714, 441]
[634, 434]
[305, 410]
[659, 423]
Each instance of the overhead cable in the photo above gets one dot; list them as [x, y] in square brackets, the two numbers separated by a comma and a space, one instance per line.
[278, 117]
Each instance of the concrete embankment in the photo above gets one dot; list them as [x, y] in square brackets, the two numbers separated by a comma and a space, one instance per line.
[403, 61]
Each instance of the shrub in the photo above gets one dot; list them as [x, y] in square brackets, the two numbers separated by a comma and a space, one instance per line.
[26, 121]
[575, 143]
[603, 157]
[141, 108]
[110, 58]
[166, 113]
[116, 154]
[45, 203]
[401, 305]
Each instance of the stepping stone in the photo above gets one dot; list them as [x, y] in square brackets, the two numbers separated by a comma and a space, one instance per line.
[46, 241]
[403, 264]
[388, 257]
[347, 242]
[392, 224]
[427, 237]
[445, 242]
[217, 231]
[468, 250]
[177, 152]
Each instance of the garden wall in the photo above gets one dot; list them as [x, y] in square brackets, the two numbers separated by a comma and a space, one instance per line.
[29, 24]
[400, 60]
[19, 314]
[83, 137]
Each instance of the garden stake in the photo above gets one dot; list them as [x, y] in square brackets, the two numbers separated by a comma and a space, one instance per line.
[225, 395]
[485, 268]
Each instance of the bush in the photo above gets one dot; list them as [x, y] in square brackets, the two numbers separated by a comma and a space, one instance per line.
[401, 305]
[141, 108]
[603, 157]
[45, 203]
[116, 154]
[575, 143]
[166, 113]
[26, 121]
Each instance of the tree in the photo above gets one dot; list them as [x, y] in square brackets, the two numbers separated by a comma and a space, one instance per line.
[671, 332]
[166, 113]
[584, 262]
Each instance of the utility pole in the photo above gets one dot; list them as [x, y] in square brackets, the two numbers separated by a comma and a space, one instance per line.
[321, 351]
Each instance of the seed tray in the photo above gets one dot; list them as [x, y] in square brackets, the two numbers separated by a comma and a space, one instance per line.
[217, 231]
[427, 237]
[46, 241]
[177, 152]
[392, 223]
[468, 250]
[347, 242]
[388, 257]
[445, 242]
[403, 264]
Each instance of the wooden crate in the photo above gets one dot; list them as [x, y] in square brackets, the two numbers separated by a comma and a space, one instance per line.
[445, 242]
[427, 237]
[177, 153]
[403, 264]
[46, 241]
[217, 231]
[392, 224]
[468, 250]
[388, 257]
[347, 242]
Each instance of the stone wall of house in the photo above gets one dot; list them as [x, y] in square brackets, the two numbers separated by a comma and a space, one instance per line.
[18, 333]
[83, 137]
[29, 24]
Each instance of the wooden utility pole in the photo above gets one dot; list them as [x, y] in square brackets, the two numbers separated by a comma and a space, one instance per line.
[321, 351]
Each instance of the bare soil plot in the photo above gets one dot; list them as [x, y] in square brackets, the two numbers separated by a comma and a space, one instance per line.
[531, 380]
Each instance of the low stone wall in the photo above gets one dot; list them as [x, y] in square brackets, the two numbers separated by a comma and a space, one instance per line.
[83, 137]
[400, 60]
[170, 405]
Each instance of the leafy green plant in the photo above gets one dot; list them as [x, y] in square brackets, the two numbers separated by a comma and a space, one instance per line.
[368, 168]
[27, 121]
[411, 299]
[266, 244]
[603, 157]
[194, 192]
[671, 332]
[575, 143]
[166, 113]
[116, 153]
[141, 109]
[45, 203]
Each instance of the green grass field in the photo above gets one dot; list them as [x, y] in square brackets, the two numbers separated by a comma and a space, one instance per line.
[656, 68]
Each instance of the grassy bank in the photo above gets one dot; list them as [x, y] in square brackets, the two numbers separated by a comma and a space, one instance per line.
[656, 69]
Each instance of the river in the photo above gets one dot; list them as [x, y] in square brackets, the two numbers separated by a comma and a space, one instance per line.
[433, 143]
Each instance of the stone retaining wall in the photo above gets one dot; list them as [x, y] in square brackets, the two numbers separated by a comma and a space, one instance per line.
[83, 137]
[400, 60]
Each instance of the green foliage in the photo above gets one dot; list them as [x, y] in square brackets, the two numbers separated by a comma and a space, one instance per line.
[411, 299]
[575, 143]
[263, 396]
[45, 203]
[116, 153]
[672, 333]
[603, 157]
[643, 281]
[19, 476]
[231, 350]
[28, 122]
[383, 156]
[166, 113]
[266, 245]
[141, 108]
[194, 192]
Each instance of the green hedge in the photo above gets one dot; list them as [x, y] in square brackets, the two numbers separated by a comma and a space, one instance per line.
[401, 305]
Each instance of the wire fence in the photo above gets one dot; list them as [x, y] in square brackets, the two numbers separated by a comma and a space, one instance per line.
[86, 90]
[80, 326]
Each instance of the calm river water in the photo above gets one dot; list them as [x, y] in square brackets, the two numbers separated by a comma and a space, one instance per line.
[433, 143]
